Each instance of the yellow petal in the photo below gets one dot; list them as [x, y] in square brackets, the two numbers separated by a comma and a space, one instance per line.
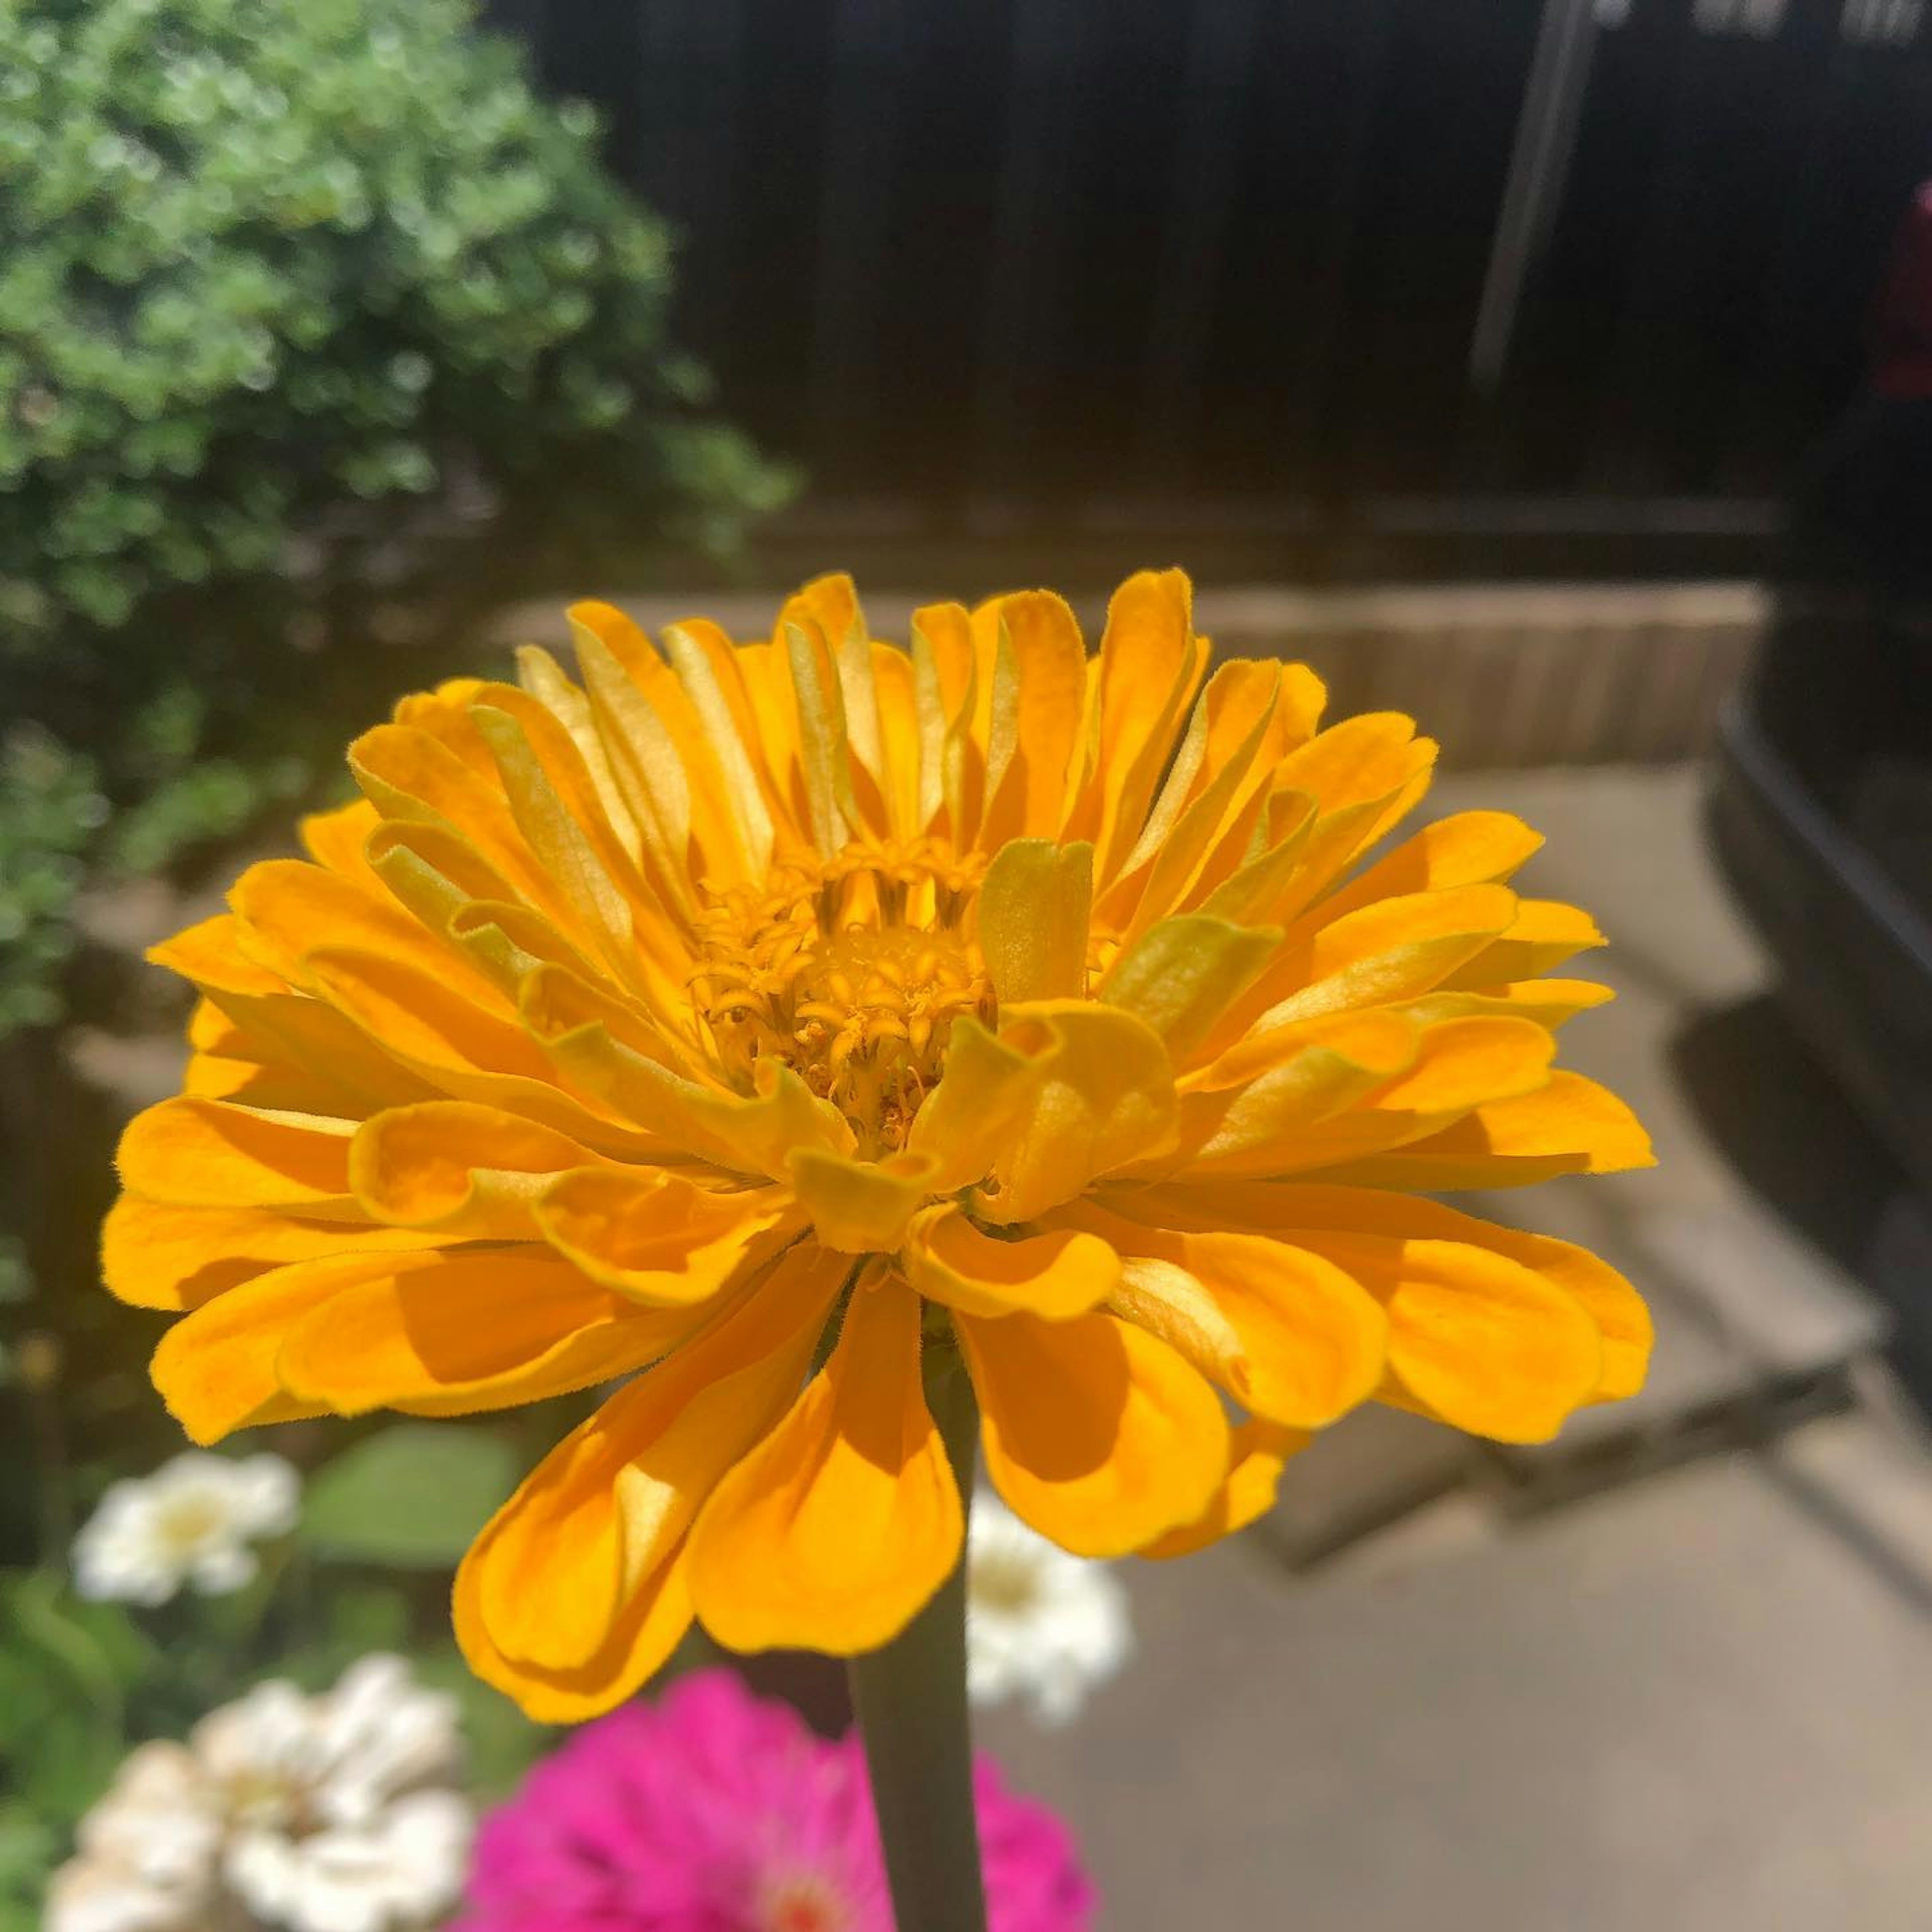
[303, 1056]
[1033, 910]
[1219, 765]
[1461, 1066]
[210, 1153]
[985, 1089]
[1257, 1453]
[1334, 1063]
[155, 1256]
[645, 759]
[823, 745]
[646, 1628]
[1151, 663]
[408, 774]
[1549, 1003]
[656, 1238]
[211, 953]
[1289, 1335]
[1479, 1340]
[284, 906]
[465, 1170]
[215, 1368]
[1394, 950]
[1054, 1275]
[1182, 974]
[860, 1207]
[600, 1518]
[1544, 934]
[452, 1333]
[1468, 848]
[1283, 1207]
[555, 803]
[836, 1529]
[1028, 766]
[702, 657]
[1105, 1097]
[1096, 1433]
[1569, 1126]
[337, 839]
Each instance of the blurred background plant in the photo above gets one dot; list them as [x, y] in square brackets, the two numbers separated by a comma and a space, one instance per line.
[321, 333]
[363, 298]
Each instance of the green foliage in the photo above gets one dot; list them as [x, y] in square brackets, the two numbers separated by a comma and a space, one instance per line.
[309, 310]
[261, 260]
[412, 1496]
[49, 810]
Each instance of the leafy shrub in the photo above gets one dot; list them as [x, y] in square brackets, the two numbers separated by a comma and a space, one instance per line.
[296, 299]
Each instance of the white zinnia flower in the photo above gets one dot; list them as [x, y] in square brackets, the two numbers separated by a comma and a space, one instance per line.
[191, 1522]
[1039, 1623]
[334, 1813]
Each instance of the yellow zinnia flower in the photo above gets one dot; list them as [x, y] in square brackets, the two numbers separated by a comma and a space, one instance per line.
[755, 994]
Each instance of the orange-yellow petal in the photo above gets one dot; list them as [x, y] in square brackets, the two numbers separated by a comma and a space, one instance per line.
[1284, 1208]
[1055, 1275]
[1099, 1435]
[192, 1153]
[156, 1256]
[1287, 1334]
[469, 1171]
[657, 1238]
[831, 1534]
[1105, 1097]
[1033, 906]
[1571, 1125]
[1257, 1453]
[1477, 1338]
[859, 1207]
[215, 1368]
[451, 1333]
[558, 1573]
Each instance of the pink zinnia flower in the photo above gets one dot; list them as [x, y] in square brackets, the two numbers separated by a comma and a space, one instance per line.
[713, 1810]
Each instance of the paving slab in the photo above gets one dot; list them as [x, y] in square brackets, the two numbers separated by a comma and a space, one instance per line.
[1697, 1705]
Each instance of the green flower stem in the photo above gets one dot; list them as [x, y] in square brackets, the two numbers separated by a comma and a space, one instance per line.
[910, 1699]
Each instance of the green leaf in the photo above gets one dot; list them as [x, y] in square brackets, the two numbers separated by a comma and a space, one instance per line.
[414, 1496]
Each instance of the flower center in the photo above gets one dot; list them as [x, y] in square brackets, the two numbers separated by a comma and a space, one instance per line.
[850, 969]
[1003, 1583]
[804, 1903]
[185, 1523]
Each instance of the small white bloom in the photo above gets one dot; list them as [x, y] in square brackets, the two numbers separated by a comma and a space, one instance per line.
[191, 1521]
[1040, 1624]
[334, 1813]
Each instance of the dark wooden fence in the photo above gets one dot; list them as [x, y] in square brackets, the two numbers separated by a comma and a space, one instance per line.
[1348, 281]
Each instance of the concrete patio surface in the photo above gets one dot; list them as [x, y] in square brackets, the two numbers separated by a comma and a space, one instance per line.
[1673, 1674]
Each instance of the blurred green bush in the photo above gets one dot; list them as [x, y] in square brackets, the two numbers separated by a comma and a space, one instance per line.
[299, 300]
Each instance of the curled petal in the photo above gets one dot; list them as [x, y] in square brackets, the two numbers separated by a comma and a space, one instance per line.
[471, 1172]
[656, 1238]
[1103, 1096]
[1054, 1275]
